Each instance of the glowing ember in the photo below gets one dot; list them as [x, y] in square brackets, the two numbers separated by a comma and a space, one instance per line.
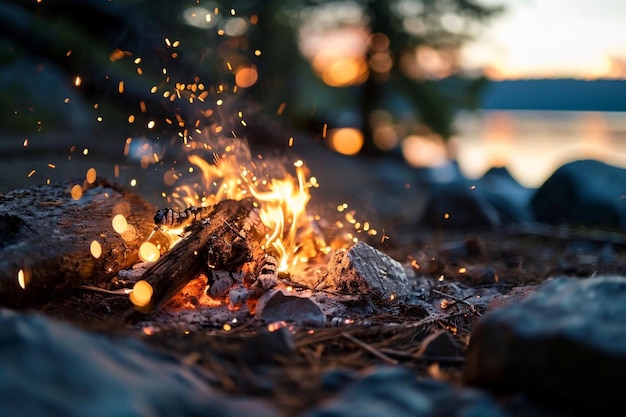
[22, 278]
[91, 175]
[246, 76]
[148, 252]
[141, 295]
[274, 326]
[96, 249]
[77, 192]
[119, 223]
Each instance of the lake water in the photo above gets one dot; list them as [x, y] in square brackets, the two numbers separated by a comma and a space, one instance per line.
[532, 144]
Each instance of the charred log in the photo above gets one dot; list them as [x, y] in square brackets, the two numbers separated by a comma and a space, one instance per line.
[225, 240]
[46, 236]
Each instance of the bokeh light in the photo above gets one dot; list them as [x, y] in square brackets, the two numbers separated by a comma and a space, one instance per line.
[346, 141]
[424, 151]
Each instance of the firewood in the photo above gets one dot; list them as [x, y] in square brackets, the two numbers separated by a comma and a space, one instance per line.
[46, 236]
[225, 240]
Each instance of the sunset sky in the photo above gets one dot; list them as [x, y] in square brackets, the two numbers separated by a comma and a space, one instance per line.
[553, 38]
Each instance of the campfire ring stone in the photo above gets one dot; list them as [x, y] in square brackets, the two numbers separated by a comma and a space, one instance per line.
[363, 269]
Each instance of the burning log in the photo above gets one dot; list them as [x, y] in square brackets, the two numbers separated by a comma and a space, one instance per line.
[226, 239]
[61, 235]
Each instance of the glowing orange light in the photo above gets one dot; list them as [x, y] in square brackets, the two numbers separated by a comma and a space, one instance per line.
[423, 151]
[346, 141]
[119, 223]
[272, 327]
[22, 278]
[246, 76]
[96, 249]
[148, 252]
[141, 295]
[345, 72]
[76, 192]
[91, 175]
[116, 55]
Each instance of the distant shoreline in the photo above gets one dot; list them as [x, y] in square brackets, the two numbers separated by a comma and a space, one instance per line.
[555, 94]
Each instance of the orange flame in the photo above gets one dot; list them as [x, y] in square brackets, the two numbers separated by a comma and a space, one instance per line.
[231, 173]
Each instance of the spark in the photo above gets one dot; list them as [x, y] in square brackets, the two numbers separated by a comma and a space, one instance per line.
[21, 278]
[76, 192]
[91, 175]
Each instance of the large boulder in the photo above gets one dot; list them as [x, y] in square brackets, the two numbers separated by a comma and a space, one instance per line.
[566, 343]
[583, 192]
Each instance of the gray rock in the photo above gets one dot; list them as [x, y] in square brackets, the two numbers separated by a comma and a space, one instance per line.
[456, 205]
[363, 269]
[398, 392]
[584, 192]
[565, 342]
[506, 195]
[54, 369]
[275, 306]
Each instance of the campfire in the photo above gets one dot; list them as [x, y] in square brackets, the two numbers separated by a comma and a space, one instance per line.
[241, 237]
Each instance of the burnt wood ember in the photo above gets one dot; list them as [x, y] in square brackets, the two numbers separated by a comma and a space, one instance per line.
[47, 234]
[225, 240]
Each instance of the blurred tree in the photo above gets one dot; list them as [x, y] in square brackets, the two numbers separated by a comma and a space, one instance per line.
[360, 63]
[398, 56]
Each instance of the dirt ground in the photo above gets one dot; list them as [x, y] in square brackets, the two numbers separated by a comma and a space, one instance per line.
[290, 366]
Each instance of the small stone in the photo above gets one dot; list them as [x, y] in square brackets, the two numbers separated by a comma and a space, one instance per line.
[364, 270]
[274, 305]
